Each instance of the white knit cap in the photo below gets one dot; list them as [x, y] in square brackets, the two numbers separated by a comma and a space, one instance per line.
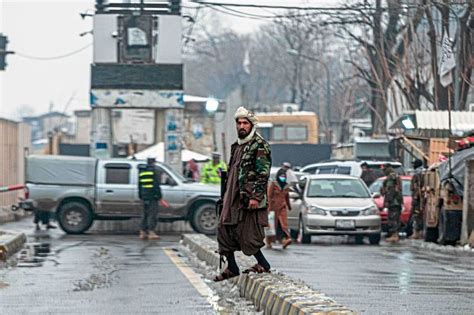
[242, 112]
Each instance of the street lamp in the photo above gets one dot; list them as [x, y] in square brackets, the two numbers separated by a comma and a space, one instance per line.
[407, 123]
[294, 52]
[212, 105]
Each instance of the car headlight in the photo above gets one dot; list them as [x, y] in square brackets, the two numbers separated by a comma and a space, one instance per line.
[373, 210]
[316, 210]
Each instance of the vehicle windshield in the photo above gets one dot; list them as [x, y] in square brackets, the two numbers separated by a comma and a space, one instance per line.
[175, 174]
[337, 188]
[375, 187]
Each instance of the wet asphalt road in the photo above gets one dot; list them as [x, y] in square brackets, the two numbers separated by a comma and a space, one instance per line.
[98, 274]
[119, 274]
[385, 279]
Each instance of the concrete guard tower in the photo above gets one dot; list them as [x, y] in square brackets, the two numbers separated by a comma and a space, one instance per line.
[137, 64]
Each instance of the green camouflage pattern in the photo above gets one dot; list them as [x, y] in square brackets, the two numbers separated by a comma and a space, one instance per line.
[391, 190]
[254, 170]
[416, 186]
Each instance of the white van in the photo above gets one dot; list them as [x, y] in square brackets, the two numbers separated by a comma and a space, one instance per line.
[352, 168]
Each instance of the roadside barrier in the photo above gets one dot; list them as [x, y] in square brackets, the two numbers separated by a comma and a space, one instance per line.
[10, 243]
[11, 188]
[273, 293]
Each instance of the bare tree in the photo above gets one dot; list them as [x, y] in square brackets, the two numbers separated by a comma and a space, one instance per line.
[383, 34]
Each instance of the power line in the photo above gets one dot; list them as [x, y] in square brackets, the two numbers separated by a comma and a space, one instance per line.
[232, 14]
[224, 9]
[246, 15]
[261, 6]
[54, 57]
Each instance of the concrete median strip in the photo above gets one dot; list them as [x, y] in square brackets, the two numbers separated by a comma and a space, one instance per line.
[10, 243]
[273, 293]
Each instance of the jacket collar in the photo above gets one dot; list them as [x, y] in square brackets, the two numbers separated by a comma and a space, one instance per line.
[249, 137]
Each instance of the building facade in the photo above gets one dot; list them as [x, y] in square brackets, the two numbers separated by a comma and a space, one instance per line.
[15, 144]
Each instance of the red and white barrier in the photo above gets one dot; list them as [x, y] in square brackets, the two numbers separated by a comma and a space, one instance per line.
[11, 188]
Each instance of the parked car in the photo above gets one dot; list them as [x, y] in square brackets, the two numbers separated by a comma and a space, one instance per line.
[405, 217]
[79, 190]
[352, 168]
[334, 205]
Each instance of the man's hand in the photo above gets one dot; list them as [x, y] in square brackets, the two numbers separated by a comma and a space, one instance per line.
[253, 204]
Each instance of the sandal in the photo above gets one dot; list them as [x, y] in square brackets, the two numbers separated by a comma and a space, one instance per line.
[257, 269]
[226, 274]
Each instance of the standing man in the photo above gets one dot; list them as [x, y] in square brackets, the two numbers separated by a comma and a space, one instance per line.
[212, 170]
[244, 210]
[393, 200]
[416, 185]
[149, 191]
[43, 217]
[368, 175]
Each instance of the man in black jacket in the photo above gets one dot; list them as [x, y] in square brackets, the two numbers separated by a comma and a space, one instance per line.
[150, 192]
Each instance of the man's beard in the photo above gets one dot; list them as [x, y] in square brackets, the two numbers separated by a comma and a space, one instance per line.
[243, 133]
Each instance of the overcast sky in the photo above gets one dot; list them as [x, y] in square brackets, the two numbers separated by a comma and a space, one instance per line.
[38, 28]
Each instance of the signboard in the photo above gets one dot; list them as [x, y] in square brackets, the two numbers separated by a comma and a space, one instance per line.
[173, 132]
[137, 125]
[115, 98]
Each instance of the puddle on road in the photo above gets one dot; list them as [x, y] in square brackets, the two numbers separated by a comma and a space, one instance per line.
[104, 275]
[33, 255]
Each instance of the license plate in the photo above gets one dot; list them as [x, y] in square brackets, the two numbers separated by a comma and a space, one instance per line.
[345, 224]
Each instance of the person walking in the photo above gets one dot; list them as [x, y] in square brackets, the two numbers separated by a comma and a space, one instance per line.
[150, 192]
[212, 170]
[43, 217]
[244, 210]
[416, 186]
[279, 203]
[191, 170]
[291, 178]
[393, 200]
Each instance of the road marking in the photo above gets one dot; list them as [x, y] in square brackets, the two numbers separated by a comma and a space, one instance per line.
[192, 277]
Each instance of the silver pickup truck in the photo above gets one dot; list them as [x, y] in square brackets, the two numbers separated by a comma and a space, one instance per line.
[80, 190]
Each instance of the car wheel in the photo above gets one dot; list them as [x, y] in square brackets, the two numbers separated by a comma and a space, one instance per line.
[204, 219]
[374, 239]
[75, 217]
[359, 239]
[305, 238]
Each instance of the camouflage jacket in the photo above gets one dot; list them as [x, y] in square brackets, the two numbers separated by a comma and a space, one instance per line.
[391, 190]
[416, 184]
[254, 170]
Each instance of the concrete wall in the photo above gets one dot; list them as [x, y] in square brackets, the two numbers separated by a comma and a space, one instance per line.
[83, 130]
[15, 138]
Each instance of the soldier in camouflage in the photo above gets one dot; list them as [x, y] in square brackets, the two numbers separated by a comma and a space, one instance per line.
[244, 209]
[416, 186]
[393, 201]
